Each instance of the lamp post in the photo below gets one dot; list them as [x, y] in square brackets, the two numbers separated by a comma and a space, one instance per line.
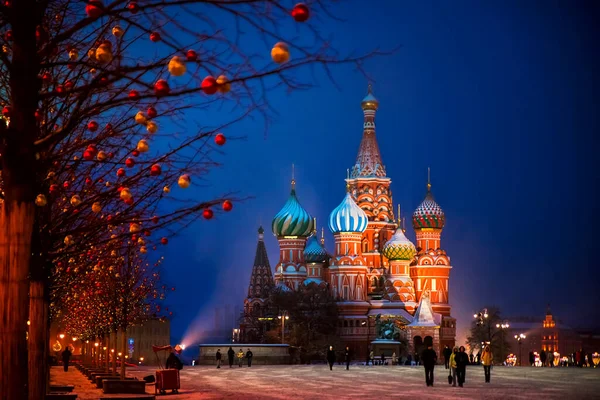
[519, 338]
[504, 325]
[283, 317]
[482, 317]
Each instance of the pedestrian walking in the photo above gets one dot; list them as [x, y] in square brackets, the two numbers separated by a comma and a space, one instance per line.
[240, 356]
[382, 358]
[486, 359]
[394, 358]
[452, 363]
[372, 357]
[462, 360]
[429, 358]
[531, 358]
[218, 357]
[173, 362]
[347, 357]
[543, 358]
[249, 356]
[447, 353]
[551, 359]
[330, 357]
[66, 356]
[230, 355]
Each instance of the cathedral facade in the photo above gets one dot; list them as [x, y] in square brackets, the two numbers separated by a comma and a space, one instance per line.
[374, 271]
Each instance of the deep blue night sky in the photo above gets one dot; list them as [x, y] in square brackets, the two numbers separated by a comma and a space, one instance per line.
[500, 100]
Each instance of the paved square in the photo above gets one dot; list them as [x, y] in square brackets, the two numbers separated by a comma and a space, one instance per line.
[387, 382]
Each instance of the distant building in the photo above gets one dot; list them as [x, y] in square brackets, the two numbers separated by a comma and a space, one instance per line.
[375, 270]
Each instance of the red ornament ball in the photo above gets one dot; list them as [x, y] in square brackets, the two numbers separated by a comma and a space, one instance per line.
[209, 85]
[134, 94]
[130, 162]
[220, 139]
[92, 126]
[155, 37]
[89, 181]
[94, 8]
[121, 172]
[161, 87]
[147, 232]
[46, 78]
[66, 184]
[133, 7]
[88, 154]
[155, 219]
[129, 201]
[164, 240]
[38, 115]
[227, 205]
[155, 170]
[135, 153]
[68, 85]
[53, 188]
[6, 111]
[207, 213]
[151, 112]
[300, 12]
[8, 35]
[191, 55]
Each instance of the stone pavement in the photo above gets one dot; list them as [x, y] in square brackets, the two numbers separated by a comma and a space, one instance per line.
[360, 382]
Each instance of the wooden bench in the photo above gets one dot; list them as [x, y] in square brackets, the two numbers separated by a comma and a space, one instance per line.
[61, 388]
[61, 396]
[124, 386]
[100, 379]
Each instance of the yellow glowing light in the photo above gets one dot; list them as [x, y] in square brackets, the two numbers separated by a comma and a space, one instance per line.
[62, 336]
[96, 344]
[28, 323]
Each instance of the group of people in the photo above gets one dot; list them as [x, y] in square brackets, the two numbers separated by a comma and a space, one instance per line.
[547, 359]
[456, 360]
[231, 354]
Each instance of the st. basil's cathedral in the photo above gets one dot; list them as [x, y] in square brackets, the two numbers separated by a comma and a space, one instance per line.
[375, 272]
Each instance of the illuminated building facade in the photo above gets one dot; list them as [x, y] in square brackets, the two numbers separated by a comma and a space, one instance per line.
[374, 268]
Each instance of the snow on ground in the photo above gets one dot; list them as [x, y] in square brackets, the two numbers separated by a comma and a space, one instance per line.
[317, 382]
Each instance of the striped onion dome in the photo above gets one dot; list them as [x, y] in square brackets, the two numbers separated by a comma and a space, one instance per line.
[314, 252]
[292, 219]
[399, 247]
[429, 214]
[348, 217]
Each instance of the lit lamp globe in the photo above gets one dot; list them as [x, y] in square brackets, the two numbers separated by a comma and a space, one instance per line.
[104, 53]
[117, 31]
[143, 146]
[140, 118]
[151, 127]
[280, 53]
[224, 85]
[177, 66]
[41, 200]
[184, 181]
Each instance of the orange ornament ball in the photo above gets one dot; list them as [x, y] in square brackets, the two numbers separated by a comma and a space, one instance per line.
[161, 87]
[209, 85]
[227, 205]
[220, 139]
[94, 8]
[207, 213]
[300, 12]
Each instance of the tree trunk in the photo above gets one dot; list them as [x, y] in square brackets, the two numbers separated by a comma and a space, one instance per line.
[123, 351]
[16, 225]
[38, 340]
[114, 352]
[107, 352]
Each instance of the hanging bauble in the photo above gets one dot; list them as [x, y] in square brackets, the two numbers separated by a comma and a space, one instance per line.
[143, 146]
[220, 139]
[164, 240]
[135, 153]
[191, 55]
[53, 188]
[227, 205]
[46, 78]
[41, 200]
[177, 66]
[184, 181]
[133, 227]
[143, 250]
[207, 213]
[209, 85]
[6, 111]
[130, 162]
[89, 181]
[73, 55]
[96, 207]
[223, 83]
[161, 87]
[151, 112]
[133, 7]
[75, 200]
[68, 85]
[121, 172]
[92, 53]
[300, 12]
[104, 53]
[69, 240]
[125, 194]
[134, 94]
[166, 189]
[155, 219]
[94, 8]
[155, 36]
[140, 118]
[280, 53]
[88, 154]
[117, 31]
[151, 127]
[38, 115]
[155, 170]
[8, 35]
[101, 156]
[92, 126]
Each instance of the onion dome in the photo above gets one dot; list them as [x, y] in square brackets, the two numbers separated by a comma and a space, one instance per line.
[429, 214]
[370, 102]
[399, 247]
[314, 252]
[348, 217]
[292, 220]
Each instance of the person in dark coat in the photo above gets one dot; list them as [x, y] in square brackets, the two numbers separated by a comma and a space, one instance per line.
[347, 357]
[429, 358]
[531, 358]
[230, 355]
[66, 356]
[218, 356]
[249, 356]
[173, 362]
[330, 357]
[543, 358]
[447, 353]
[462, 360]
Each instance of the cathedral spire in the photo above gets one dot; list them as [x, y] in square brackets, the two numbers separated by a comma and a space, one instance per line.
[261, 280]
[368, 161]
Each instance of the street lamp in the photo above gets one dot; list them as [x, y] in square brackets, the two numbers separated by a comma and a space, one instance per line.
[62, 336]
[502, 326]
[283, 318]
[519, 338]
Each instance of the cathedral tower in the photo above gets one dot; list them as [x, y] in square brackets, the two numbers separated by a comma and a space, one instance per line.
[292, 226]
[261, 279]
[316, 258]
[371, 188]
